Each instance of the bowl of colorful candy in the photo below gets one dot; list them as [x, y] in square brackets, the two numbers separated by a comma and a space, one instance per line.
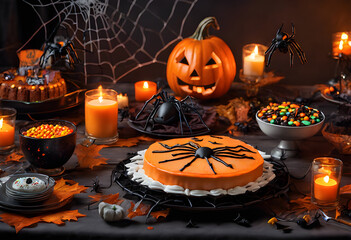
[48, 144]
[289, 122]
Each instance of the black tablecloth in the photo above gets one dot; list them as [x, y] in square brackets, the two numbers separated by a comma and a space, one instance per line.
[211, 225]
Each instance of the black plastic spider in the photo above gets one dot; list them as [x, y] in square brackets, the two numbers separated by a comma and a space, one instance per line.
[285, 43]
[192, 149]
[167, 110]
[60, 49]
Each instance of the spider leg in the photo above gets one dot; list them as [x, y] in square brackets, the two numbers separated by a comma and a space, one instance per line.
[291, 53]
[173, 150]
[292, 30]
[146, 103]
[180, 120]
[178, 154]
[176, 159]
[225, 151]
[188, 164]
[270, 47]
[270, 56]
[299, 51]
[197, 112]
[153, 112]
[179, 108]
[235, 156]
[211, 165]
[232, 148]
[193, 144]
[178, 145]
[280, 29]
[221, 161]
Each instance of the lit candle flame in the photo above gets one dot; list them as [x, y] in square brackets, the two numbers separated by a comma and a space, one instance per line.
[341, 45]
[344, 36]
[326, 179]
[254, 53]
[146, 85]
[100, 89]
[1, 121]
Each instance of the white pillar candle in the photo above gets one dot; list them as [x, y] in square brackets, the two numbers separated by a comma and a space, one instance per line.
[253, 62]
[122, 101]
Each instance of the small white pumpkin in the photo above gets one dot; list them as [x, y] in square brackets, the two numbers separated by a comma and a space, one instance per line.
[111, 212]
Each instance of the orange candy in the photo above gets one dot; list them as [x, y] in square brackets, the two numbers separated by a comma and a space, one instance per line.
[48, 131]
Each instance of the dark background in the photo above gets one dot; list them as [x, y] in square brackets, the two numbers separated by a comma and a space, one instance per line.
[241, 22]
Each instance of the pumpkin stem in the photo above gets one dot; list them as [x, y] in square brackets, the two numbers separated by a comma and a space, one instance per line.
[201, 31]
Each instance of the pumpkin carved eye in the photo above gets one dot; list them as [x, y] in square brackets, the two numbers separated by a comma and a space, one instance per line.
[184, 61]
[210, 62]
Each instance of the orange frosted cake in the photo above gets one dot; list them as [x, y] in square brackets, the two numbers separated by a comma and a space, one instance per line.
[229, 162]
[199, 166]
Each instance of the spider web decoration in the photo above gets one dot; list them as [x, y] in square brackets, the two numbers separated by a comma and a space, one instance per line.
[113, 38]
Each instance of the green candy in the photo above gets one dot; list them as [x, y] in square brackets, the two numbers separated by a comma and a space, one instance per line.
[318, 120]
[306, 123]
[312, 117]
[272, 121]
[282, 113]
[290, 123]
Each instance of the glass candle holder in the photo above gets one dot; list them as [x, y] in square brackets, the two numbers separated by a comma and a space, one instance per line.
[326, 176]
[254, 60]
[144, 90]
[101, 115]
[7, 129]
[341, 43]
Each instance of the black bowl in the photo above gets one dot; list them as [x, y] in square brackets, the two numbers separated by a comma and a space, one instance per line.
[48, 153]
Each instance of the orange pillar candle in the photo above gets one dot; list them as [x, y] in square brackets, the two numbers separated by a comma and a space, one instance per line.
[101, 115]
[7, 134]
[144, 90]
[325, 188]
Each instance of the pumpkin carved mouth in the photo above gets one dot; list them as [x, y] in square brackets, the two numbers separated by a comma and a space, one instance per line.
[200, 89]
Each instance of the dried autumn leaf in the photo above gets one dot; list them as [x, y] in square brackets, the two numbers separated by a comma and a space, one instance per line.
[13, 157]
[345, 189]
[110, 198]
[20, 222]
[130, 142]
[158, 214]
[65, 189]
[89, 157]
[141, 210]
[302, 205]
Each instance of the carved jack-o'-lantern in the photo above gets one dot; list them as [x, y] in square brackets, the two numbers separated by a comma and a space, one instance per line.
[201, 66]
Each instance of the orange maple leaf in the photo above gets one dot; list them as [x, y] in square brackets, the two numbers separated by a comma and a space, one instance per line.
[129, 142]
[13, 157]
[20, 222]
[158, 214]
[65, 189]
[345, 189]
[110, 198]
[141, 210]
[89, 157]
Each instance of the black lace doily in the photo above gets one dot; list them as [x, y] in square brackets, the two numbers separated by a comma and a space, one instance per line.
[278, 186]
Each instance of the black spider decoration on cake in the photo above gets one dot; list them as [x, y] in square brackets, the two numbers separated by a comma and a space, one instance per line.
[192, 149]
[168, 110]
[285, 43]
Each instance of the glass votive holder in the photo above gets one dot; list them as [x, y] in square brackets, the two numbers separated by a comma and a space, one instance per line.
[7, 129]
[254, 60]
[144, 90]
[326, 176]
[101, 115]
[341, 44]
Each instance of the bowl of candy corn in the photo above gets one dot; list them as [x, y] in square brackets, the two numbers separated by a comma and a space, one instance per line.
[48, 144]
[289, 122]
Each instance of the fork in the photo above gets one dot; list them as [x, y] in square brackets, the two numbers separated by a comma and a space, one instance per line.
[327, 218]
